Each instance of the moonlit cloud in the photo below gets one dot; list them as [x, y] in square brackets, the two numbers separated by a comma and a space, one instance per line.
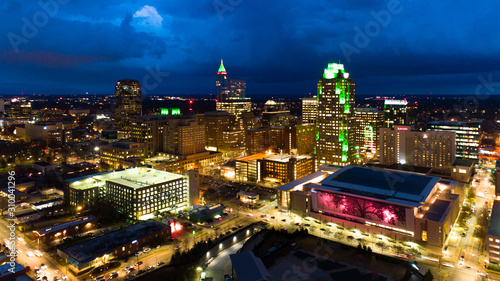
[149, 15]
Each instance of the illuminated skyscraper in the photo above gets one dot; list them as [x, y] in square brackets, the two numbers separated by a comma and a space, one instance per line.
[222, 83]
[309, 110]
[394, 113]
[368, 123]
[336, 123]
[128, 102]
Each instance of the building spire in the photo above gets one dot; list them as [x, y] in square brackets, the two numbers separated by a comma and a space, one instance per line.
[221, 67]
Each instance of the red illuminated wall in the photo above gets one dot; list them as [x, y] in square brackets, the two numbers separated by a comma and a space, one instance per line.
[362, 208]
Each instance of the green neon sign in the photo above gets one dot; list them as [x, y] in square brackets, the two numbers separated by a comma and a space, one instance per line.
[332, 70]
[170, 111]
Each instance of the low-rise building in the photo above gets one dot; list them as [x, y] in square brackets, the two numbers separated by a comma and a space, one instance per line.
[397, 205]
[117, 244]
[205, 213]
[493, 235]
[246, 196]
[280, 168]
[136, 192]
[19, 196]
[64, 229]
[247, 267]
[13, 271]
[122, 153]
[462, 170]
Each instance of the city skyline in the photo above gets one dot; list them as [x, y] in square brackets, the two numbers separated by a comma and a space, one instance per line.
[391, 47]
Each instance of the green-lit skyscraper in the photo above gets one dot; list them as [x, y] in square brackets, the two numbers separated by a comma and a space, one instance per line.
[336, 118]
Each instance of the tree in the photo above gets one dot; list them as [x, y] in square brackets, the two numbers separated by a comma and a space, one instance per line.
[428, 276]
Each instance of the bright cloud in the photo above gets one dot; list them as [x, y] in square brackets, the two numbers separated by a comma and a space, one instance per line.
[149, 15]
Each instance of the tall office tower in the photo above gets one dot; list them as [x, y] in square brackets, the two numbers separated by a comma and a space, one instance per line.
[222, 83]
[309, 110]
[128, 102]
[256, 140]
[236, 107]
[394, 113]
[368, 124]
[412, 113]
[468, 136]
[402, 145]
[216, 123]
[306, 138]
[237, 88]
[336, 139]
[148, 129]
[184, 136]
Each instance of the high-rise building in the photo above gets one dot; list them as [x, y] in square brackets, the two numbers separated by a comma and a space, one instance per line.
[236, 107]
[184, 136]
[216, 123]
[148, 129]
[306, 138]
[402, 145]
[412, 113]
[394, 113]
[309, 110]
[336, 134]
[222, 83]
[237, 88]
[468, 136]
[128, 102]
[368, 123]
[256, 140]
[276, 118]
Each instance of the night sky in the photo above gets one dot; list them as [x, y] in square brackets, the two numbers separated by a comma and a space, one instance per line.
[280, 47]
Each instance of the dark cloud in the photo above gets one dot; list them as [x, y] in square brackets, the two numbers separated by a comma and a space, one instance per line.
[280, 47]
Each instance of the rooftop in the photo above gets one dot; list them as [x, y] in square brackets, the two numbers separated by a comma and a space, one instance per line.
[248, 267]
[395, 186]
[5, 269]
[409, 168]
[64, 225]
[107, 243]
[136, 177]
[465, 162]
[273, 157]
[314, 177]
[494, 228]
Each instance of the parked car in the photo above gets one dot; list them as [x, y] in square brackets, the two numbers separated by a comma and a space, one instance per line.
[160, 263]
[151, 267]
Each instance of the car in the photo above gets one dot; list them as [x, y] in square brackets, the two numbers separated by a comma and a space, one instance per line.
[307, 224]
[463, 234]
[234, 228]
[240, 226]
[263, 216]
[130, 269]
[138, 253]
[283, 220]
[178, 247]
[462, 258]
[56, 278]
[273, 217]
[45, 278]
[113, 275]
[99, 278]
[43, 266]
[64, 277]
[160, 263]
[37, 271]
[138, 263]
[151, 267]
[323, 229]
[39, 278]
[30, 254]
[158, 247]
[38, 254]
[147, 250]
